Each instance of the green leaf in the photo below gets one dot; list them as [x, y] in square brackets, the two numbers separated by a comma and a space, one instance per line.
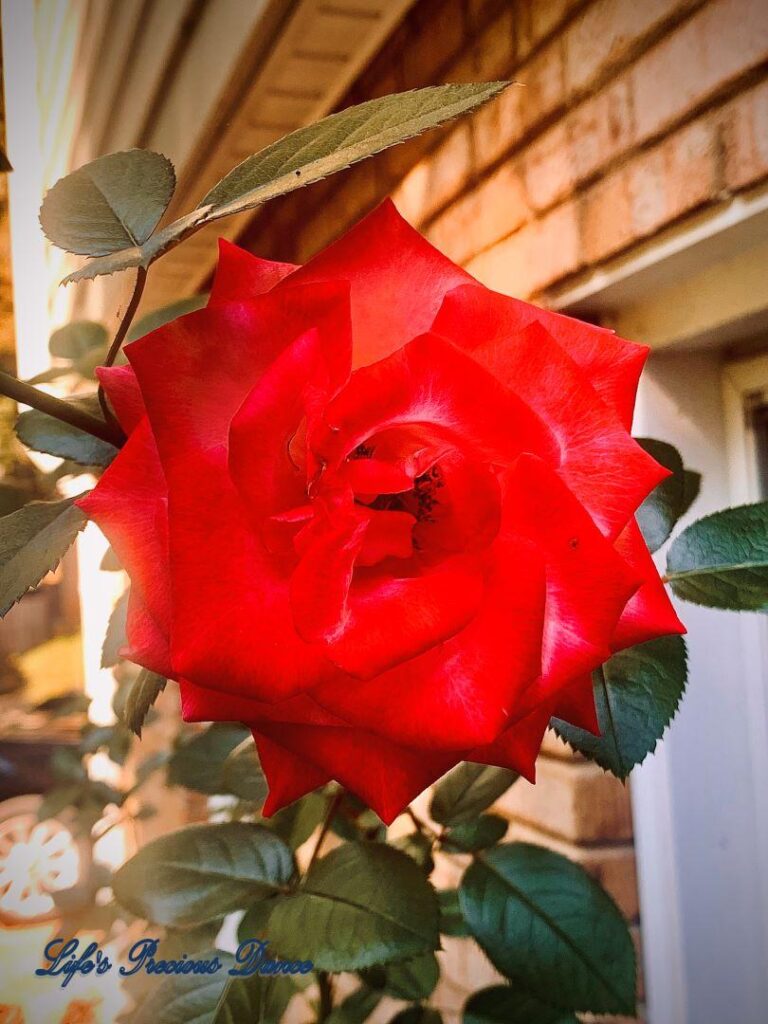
[12, 498]
[56, 799]
[76, 339]
[110, 203]
[356, 1008]
[467, 790]
[722, 560]
[140, 255]
[164, 315]
[451, 918]
[115, 636]
[258, 998]
[502, 1004]
[637, 694]
[407, 979]
[199, 763]
[342, 139]
[296, 822]
[361, 904]
[549, 928]
[44, 433]
[32, 542]
[203, 872]
[185, 998]
[254, 921]
[485, 831]
[417, 1015]
[662, 508]
[143, 693]
[242, 775]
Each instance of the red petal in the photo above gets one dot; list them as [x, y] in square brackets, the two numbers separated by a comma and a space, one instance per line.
[611, 365]
[462, 692]
[588, 584]
[290, 777]
[147, 643]
[599, 461]
[129, 504]
[122, 390]
[397, 281]
[386, 777]
[240, 276]
[518, 746]
[575, 703]
[430, 382]
[649, 613]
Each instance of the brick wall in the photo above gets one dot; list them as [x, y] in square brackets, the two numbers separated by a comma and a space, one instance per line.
[630, 117]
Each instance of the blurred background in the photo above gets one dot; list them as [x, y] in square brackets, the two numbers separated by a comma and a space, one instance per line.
[624, 180]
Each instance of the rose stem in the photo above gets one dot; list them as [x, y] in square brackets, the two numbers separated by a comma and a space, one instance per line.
[122, 330]
[67, 412]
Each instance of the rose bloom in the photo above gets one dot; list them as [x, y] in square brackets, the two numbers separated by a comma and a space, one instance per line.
[379, 513]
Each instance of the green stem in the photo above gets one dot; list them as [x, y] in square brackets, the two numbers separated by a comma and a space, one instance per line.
[122, 330]
[67, 412]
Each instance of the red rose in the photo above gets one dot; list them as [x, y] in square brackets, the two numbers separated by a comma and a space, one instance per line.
[381, 514]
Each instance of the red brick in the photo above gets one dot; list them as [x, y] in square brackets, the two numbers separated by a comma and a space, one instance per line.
[482, 217]
[603, 36]
[548, 168]
[745, 136]
[437, 178]
[579, 803]
[544, 83]
[498, 125]
[495, 48]
[600, 129]
[606, 218]
[544, 18]
[706, 53]
[430, 48]
[534, 257]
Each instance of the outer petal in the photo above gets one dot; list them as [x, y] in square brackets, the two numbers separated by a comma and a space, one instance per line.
[611, 365]
[649, 613]
[124, 394]
[575, 703]
[397, 280]
[129, 504]
[245, 642]
[241, 276]
[290, 776]
[588, 584]
[599, 461]
[519, 745]
[147, 643]
[462, 692]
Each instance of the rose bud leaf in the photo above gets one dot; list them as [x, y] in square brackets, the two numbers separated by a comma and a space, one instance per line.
[662, 508]
[468, 790]
[637, 694]
[44, 433]
[550, 929]
[241, 773]
[32, 542]
[143, 693]
[502, 1004]
[339, 140]
[198, 763]
[468, 836]
[203, 872]
[111, 203]
[721, 561]
[372, 901]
